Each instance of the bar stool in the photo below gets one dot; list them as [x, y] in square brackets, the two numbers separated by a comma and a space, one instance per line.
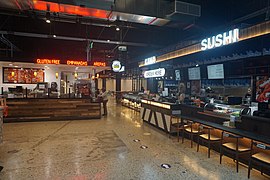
[261, 159]
[207, 137]
[233, 148]
[191, 130]
[176, 126]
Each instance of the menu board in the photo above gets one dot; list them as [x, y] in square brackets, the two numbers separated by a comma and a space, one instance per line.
[194, 73]
[22, 75]
[215, 71]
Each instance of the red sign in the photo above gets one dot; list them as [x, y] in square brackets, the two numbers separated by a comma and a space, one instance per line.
[99, 64]
[77, 63]
[48, 61]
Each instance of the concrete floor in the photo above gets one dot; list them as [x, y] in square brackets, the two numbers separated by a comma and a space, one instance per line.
[105, 149]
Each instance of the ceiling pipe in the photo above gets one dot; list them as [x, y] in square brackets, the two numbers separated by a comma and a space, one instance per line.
[35, 35]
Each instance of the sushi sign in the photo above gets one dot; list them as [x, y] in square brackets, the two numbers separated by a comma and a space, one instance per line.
[220, 40]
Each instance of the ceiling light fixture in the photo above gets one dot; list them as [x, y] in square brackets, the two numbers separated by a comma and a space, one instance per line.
[108, 40]
[117, 29]
[54, 36]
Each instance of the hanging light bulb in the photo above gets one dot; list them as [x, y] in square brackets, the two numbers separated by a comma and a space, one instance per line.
[56, 75]
[97, 75]
[35, 73]
[12, 73]
[48, 17]
[76, 75]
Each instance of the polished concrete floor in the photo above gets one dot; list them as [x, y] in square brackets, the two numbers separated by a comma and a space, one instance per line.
[105, 149]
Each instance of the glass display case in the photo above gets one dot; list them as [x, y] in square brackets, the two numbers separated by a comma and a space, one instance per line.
[223, 110]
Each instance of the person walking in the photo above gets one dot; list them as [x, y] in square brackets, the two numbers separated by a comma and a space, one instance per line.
[104, 97]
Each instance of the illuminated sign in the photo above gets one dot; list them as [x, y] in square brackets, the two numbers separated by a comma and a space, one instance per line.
[77, 63]
[48, 61]
[122, 48]
[154, 73]
[99, 64]
[151, 60]
[117, 66]
[220, 40]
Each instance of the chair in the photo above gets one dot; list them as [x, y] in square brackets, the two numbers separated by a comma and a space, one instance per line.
[234, 148]
[176, 126]
[191, 130]
[245, 111]
[260, 158]
[207, 137]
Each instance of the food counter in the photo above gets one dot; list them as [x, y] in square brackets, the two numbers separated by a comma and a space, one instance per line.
[158, 114]
[23, 109]
[132, 101]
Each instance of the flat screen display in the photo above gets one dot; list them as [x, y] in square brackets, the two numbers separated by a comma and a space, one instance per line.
[177, 75]
[194, 73]
[215, 71]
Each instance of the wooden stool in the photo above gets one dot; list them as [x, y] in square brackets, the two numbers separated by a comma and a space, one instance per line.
[207, 137]
[176, 126]
[261, 159]
[190, 130]
[233, 148]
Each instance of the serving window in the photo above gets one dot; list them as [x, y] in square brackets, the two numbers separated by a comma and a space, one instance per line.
[22, 75]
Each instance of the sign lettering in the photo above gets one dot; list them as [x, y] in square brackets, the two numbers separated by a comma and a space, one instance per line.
[151, 60]
[77, 63]
[99, 64]
[48, 61]
[220, 40]
[154, 73]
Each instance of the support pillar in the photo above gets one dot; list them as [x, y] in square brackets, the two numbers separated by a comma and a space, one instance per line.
[104, 83]
[118, 88]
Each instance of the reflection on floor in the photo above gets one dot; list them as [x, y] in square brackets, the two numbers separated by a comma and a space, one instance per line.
[105, 149]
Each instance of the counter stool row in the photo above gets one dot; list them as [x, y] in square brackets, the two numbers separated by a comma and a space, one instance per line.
[229, 143]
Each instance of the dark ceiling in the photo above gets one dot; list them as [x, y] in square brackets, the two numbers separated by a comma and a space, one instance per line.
[215, 16]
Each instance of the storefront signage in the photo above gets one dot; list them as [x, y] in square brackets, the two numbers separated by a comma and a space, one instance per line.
[220, 40]
[77, 63]
[48, 61]
[117, 66]
[154, 73]
[99, 64]
[151, 60]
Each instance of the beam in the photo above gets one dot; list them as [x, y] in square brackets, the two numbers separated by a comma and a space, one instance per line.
[35, 35]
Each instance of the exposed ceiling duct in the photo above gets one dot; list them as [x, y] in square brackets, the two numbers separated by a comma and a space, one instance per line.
[151, 12]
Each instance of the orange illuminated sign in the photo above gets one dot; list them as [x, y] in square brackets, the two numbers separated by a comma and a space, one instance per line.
[77, 63]
[99, 64]
[48, 61]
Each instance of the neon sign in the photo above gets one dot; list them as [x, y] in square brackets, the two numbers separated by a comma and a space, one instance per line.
[220, 40]
[99, 64]
[48, 61]
[77, 63]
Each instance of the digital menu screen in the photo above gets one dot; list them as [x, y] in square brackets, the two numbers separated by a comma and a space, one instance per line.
[194, 73]
[22, 75]
[215, 71]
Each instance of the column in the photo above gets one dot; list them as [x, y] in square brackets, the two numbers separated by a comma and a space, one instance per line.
[118, 87]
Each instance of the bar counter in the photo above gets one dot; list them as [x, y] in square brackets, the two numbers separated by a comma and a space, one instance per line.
[44, 109]
[240, 132]
[158, 114]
